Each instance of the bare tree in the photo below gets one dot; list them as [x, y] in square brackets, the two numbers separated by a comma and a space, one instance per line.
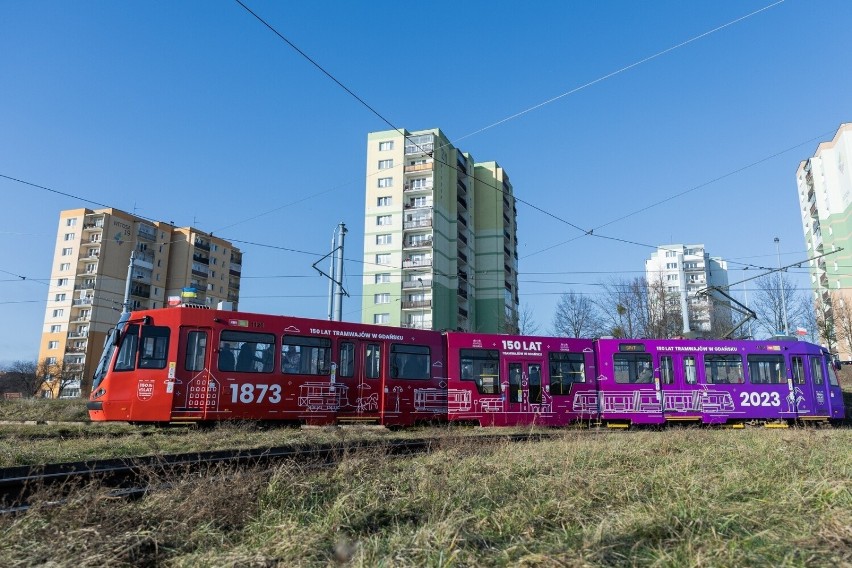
[576, 316]
[625, 309]
[56, 376]
[664, 311]
[842, 316]
[774, 294]
[25, 374]
[526, 321]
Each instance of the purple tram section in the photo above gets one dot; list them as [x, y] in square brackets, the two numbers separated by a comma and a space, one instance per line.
[712, 382]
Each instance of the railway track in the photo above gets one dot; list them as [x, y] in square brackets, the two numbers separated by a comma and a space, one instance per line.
[129, 477]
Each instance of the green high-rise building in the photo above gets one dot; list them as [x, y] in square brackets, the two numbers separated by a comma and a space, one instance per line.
[440, 248]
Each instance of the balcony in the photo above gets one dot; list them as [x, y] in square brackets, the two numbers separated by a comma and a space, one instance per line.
[418, 168]
[415, 284]
[462, 275]
[461, 220]
[418, 243]
[416, 263]
[418, 187]
[94, 224]
[201, 245]
[81, 302]
[463, 313]
[416, 325]
[91, 243]
[417, 223]
[85, 286]
[462, 201]
[427, 205]
[463, 292]
[77, 334]
[462, 256]
[147, 232]
[83, 316]
[235, 268]
[70, 349]
[462, 238]
[417, 304]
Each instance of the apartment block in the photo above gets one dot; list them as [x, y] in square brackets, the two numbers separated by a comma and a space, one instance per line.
[440, 246]
[89, 276]
[684, 270]
[824, 184]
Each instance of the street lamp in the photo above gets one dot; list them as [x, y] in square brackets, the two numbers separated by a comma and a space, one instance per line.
[781, 288]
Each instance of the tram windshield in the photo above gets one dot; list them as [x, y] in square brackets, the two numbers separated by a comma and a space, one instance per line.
[110, 344]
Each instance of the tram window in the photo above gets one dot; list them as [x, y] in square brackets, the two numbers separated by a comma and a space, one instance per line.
[633, 368]
[246, 352]
[302, 355]
[154, 348]
[410, 361]
[666, 370]
[482, 367]
[767, 369]
[565, 370]
[534, 375]
[373, 361]
[723, 369]
[126, 360]
[832, 374]
[798, 371]
[689, 373]
[196, 350]
[816, 370]
[347, 359]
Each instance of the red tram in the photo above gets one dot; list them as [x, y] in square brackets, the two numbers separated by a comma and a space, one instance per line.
[194, 364]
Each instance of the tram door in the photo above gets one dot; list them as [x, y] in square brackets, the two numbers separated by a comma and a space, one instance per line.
[525, 385]
[818, 384]
[190, 382]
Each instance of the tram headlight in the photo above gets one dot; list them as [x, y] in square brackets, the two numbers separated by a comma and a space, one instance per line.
[99, 393]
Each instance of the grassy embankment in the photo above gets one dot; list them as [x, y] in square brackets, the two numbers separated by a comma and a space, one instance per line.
[685, 497]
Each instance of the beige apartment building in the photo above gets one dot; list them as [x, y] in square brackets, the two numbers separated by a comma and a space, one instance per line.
[89, 275]
[440, 237]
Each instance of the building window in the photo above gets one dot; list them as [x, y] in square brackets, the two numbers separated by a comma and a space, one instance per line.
[69, 236]
[67, 251]
[381, 298]
[55, 328]
[51, 360]
[60, 298]
[383, 239]
[381, 318]
[385, 182]
[385, 164]
[671, 265]
[65, 266]
[383, 259]
[419, 183]
[383, 220]
[53, 345]
[58, 313]
[383, 201]
[383, 278]
[383, 146]
[62, 282]
[70, 222]
[671, 277]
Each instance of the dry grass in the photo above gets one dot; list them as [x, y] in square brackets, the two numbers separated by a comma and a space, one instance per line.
[678, 498]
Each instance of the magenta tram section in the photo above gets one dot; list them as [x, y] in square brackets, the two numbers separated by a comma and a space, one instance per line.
[501, 380]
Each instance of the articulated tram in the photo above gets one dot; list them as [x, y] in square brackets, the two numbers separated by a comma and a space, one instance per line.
[193, 364]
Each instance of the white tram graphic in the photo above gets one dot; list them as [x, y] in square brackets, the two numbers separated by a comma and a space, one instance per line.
[316, 396]
[202, 392]
[433, 400]
[646, 401]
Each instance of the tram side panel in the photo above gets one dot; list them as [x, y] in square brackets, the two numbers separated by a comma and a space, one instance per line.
[501, 380]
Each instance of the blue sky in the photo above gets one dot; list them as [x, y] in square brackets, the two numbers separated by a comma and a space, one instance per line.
[195, 113]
